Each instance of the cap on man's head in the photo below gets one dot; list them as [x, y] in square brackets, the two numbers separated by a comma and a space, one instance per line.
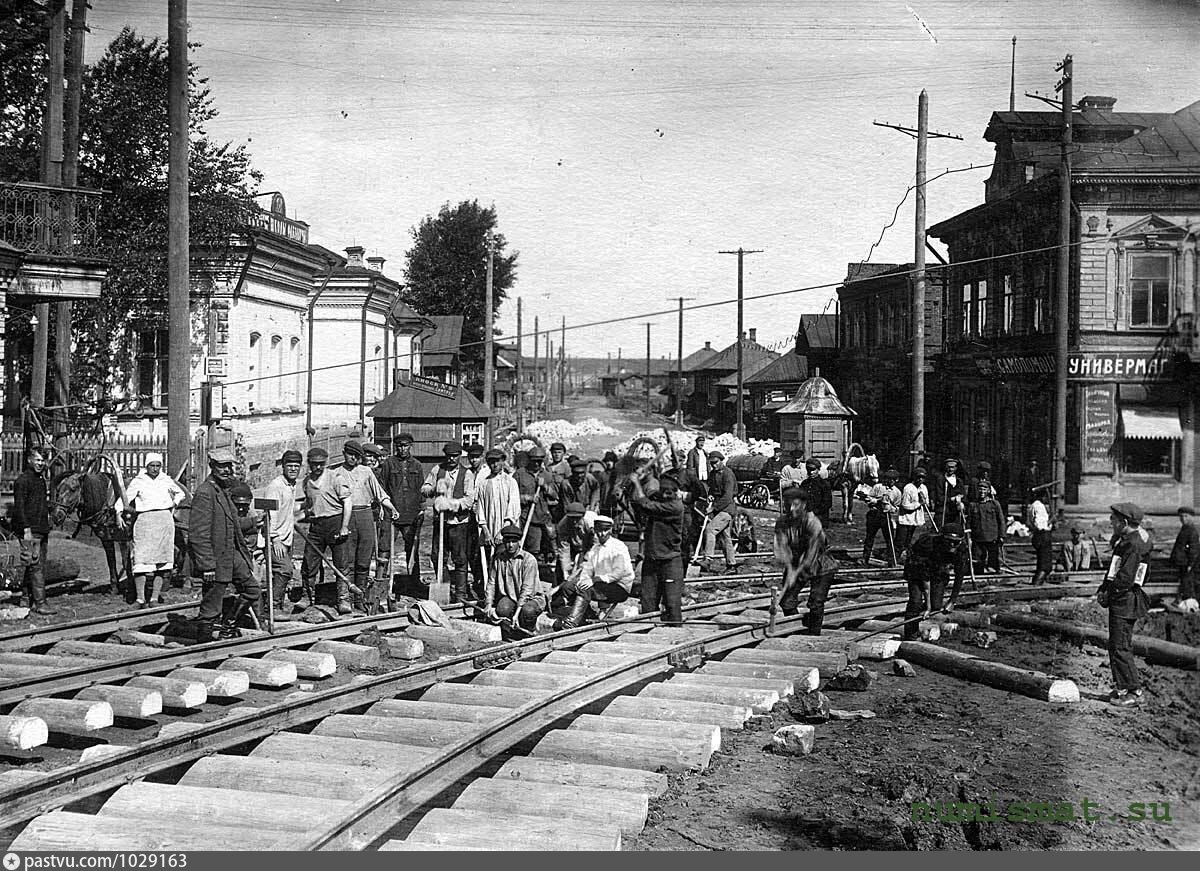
[1129, 510]
[511, 532]
[536, 453]
[716, 455]
[475, 450]
[452, 449]
[796, 454]
[290, 457]
[352, 448]
[891, 473]
[602, 520]
[578, 464]
[220, 457]
[794, 492]
[950, 461]
[558, 446]
[952, 531]
[372, 450]
[404, 439]
[574, 509]
[812, 463]
[239, 491]
[318, 455]
[494, 454]
[1078, 526]
[1186, 509]
[985, 466]
[609, 457]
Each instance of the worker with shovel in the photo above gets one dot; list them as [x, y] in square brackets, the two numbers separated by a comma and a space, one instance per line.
[452, 486]
[927, 573]
[801, 549]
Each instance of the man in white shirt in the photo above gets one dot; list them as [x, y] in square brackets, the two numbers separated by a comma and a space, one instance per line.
[1043, 546]
[453, 487]
[497, 501]
[794, 472]
[283, 523]
[697, 459]
[914, 502]
[607, 570]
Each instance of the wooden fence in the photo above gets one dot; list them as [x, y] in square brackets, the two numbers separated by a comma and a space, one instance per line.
[128, 452]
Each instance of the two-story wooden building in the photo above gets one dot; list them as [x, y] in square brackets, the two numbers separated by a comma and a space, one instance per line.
[707, 401]
[1135, 188]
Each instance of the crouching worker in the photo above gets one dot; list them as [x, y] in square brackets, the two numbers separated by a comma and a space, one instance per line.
[801, 550]
[606, 573]
[514, 590]
[927, 574]
[220, 556]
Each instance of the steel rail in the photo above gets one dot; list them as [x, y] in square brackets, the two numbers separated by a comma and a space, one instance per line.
[106, 671]
[54, 632]
[62, 786]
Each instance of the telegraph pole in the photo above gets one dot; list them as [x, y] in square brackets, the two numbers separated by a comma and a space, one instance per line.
[52, 165]
[679, 366]
[921, 134]
[1062, 311]
[549, 373]
[648, 325]
[70, 178]
[562, 363]
[520, 375]
[178, 322]
[488, 350]
[740, 431]
[537, 369]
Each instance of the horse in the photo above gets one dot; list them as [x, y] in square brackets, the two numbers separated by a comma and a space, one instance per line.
[852, 471]
[76, 491]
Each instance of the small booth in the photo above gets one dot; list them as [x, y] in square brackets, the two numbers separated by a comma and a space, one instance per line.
[433, 413]
[817, 422]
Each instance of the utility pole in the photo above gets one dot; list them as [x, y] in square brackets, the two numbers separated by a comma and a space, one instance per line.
[1012, 81]
[488, 350]
[679, 366]
[549, 374]
[648, 325]
[52, 166]
[740, 430]
[537, 370]
[520, 374]
[562, 363]
[179, 337]
[70, 178]
[921, 134]
[1062, 312]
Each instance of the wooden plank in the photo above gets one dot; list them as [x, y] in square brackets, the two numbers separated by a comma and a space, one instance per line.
[828, 663]
[96, 650]
[725, 716]
[759, 701]
[286, 776]
[588, 660]
[409, 731]
[175, 693]
[309, 663]
[349, 655]
[126, 701]
[67, 715]
[542, 681]
[624, 809]
[218, 682]
[803, 678]
[700, 678]
[623, 751]
[495, 831]
[263, 672]
[68, 831]
[436, 711]
[470, 694]
[211, 806]
[295, 747]
[655, 728]
[813, 644]
[535, 770]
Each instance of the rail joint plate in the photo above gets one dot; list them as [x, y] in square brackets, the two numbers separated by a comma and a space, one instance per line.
[687, 657]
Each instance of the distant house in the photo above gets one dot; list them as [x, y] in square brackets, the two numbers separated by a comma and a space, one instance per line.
[771, 388]
[707, 400]
[817, 341]
[690, 362]
[441, 357]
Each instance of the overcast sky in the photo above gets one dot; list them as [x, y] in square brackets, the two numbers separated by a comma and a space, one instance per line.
[625, 142]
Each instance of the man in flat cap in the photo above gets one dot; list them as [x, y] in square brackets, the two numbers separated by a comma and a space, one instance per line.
[283, 489]
[515, 590]
[820, 493]
[365, 494]
[558, 464]
[722, 489]
[795, 471]
[927, 574]
[452, 487]
[1185, 557]
[539, 495]
[403, 476]
[1079, 554]
[983, 474]
[497, 502]
[327, 507]
[220, 555]
[1122, 594]
[948, 493]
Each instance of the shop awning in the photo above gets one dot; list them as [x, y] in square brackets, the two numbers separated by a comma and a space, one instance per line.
[1143, 422]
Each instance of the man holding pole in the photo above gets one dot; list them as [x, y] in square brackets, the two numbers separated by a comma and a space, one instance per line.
[328, 508]
[883, 504]
[365, 493]
[283, 524]
[402, 477]
[452, 487]
[539, 496]
[220, 555]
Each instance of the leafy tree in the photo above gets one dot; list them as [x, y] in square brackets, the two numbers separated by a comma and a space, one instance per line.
[124, 151]
[445, 273]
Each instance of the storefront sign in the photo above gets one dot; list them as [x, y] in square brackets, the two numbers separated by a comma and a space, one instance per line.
[432, 385]
[1099, 427]
[1085, 366]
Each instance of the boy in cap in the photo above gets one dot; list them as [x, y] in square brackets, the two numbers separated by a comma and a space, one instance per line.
[1043, 545]
[820, 494]
[801, 550]
[452, 487]
[1185, 557]
[558, 462]
[31, 520]
[497, 501]
[883, 504]
[662, 569]
[327, 507]
[284, 491]
[220, 556]
[795, 471]
[1079, 554]
[987, 526]
[1122, 594]
[403, 476]
[514, 589]
[606, 571]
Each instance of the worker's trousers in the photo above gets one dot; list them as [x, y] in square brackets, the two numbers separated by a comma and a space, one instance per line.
[818, 592]
[662, 586]
[876, 521]
[720, 526]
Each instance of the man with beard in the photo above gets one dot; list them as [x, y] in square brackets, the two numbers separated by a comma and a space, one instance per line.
[220, 556]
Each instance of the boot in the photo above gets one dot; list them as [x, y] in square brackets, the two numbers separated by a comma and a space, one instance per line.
[577, 616]
[460, 588]
[813, 621]
[343, 598]
[203, 630]
[229, 625]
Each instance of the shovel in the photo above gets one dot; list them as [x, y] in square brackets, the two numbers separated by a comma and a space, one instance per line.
[693, 570]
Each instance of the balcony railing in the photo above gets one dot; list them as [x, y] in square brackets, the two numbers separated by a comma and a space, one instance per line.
[53, 221]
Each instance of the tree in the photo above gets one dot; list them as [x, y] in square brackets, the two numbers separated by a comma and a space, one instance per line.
[124, 151]
[445, 273]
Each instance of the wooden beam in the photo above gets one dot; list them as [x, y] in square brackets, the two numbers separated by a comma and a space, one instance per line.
[1033, 684]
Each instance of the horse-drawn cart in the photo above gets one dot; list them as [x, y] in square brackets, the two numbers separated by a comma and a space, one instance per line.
[755, 489]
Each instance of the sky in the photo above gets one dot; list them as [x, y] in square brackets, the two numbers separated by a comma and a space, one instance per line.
[624, 143]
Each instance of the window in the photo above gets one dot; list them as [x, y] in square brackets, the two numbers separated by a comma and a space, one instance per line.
[379, 371]
[1038, 294]
[1150, 290]
[297, 380]
[981, 296]
[965, 325]
[1006, 308]
[255, 366]
[472, 434]
[1150, 440]
[275, 385]
[152, 367]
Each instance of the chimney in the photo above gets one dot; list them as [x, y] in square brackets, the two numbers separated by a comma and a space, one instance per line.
[708, 346]
[354, 255]
[375, 263]
[753, 334]
[1100, 104]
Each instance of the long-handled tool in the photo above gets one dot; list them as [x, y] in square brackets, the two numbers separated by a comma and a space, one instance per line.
[529, 517]
[439, 590]
[693, 570]
[970, 547]
[774, 610]
[355, 590]
[888, 520]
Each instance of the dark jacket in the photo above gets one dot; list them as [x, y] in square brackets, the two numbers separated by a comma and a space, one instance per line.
[930, 560]
[1126, 598]
[215, 535]
[31, 504]
[693, 461]
[1185, 555]
[722, 487]
[664, 527]
[987, 521]
[820, 495]
[402, 480]
[941, 497]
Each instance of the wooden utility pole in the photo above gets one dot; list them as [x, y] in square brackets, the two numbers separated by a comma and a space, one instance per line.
[562, 363]
[179, 337]
[70, 179]
[537, 371]
[1062, 311]
[488, 350]
[679, 366]
[549, 374]
[741, 253]
[520, 374]
[917, 397]
[648, 325]
[52, 167]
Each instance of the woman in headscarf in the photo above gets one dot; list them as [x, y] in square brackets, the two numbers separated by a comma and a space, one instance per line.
[153, 496]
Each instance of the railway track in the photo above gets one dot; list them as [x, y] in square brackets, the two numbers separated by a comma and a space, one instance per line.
[380, 749]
